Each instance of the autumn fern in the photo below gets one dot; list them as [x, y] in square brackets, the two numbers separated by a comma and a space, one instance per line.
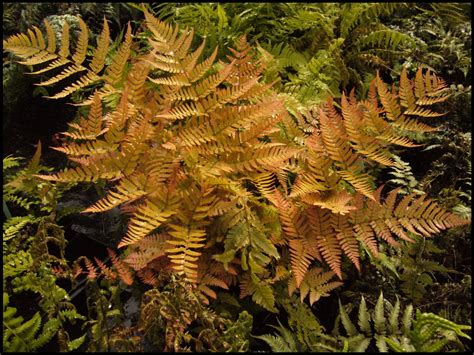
[215, 173]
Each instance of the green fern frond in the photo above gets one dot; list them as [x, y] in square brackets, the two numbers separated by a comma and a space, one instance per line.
[20, 335]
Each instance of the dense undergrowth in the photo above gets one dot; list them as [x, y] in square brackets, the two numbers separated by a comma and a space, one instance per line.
[293, 177]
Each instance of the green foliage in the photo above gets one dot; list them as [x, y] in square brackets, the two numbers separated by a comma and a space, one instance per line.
[13, 225]
[418, 266]
[30, 265]
[304, 325]
[344, 41]
[451, 168]
[174, 319]
[404, 177]
[430, 333]
[249, 238]
[411, 335]
[10, 162]
[284, 342]
[21, 188]
[105, 312]
[313, 49]
[452, 300]
[415, 269]
[387, 326]
[223, 24]
[18, 17]
[444, 34]
[22, 336]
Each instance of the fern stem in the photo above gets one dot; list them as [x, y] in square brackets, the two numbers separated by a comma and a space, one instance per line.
[6, 211]
[5, 324]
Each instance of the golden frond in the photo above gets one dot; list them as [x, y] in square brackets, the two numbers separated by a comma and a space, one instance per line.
[71, 70]
[91, 269]
[128, 190]
[339, 150]
[82, 41]
[407, 97]
[34, 49]
[366, 235]
[147, 217]
[164, 34]
[392, 137]
[346, 239]
[202, 68]
[307, 184]
[114, 72]
[295, 225]
[96, 169]
[51, 37]
[98, 59]
[148, 277]
[413, 213]
[390, 105]
[300, 259]
[190, 234]
[265, 182]
[338, 202]
[64, 50]
[261, 159]
[92, 127]
[212, 273]
[91, 147]
[195, 148]
[410, 124]
[81, 83]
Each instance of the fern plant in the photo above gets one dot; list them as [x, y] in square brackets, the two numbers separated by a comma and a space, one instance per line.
[418, 268]
[403, 177]
[333, 46]
[256, 116]
[25, 191]
[31, 265]
[166, 319]
[220, 182]
[422, 332]
[20, 335]
[105, 315]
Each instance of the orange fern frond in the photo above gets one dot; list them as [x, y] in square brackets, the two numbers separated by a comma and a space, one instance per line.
[323, 234]
[148, 277]
[149, 249]
[92, 127]
[123, 270]
[107, 272]
[315, 283]
[337, 201]
[91, 269]
[190, 234]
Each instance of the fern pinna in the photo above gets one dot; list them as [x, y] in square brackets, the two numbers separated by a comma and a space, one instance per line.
[218, 177]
